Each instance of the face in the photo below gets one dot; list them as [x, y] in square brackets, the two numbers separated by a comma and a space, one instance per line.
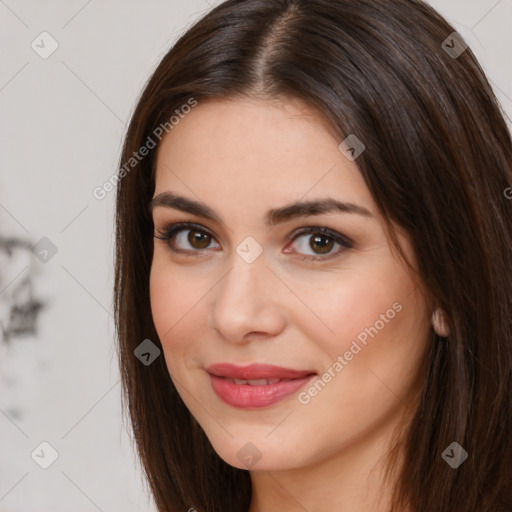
[247, 279]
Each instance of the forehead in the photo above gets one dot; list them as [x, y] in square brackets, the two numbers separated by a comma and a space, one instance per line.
[267, 152]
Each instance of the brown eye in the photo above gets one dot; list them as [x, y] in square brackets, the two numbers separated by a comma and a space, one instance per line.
[198, 239]
[311, 243]
[185, 238]
[321, 244]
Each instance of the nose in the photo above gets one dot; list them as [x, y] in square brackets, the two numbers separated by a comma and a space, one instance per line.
[246, 302]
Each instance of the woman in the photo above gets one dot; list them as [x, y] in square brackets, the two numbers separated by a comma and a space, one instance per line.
[312, 265]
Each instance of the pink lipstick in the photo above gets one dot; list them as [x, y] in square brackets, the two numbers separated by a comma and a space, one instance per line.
[256, 385]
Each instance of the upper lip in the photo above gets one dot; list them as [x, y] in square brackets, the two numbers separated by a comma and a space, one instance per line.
[256, 371]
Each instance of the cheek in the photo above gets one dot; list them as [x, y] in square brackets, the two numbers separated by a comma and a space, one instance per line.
[170, 299]
[177, 306]
[163, 292]
[371, 361]
[342, 307]
[378, 325]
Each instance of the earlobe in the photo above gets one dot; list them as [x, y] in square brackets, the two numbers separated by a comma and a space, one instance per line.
[439, 323]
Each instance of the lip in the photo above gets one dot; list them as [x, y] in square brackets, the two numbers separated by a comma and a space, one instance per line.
[256, 371]
[246, 396]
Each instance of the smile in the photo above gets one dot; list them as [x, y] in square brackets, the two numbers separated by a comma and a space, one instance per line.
[257, 385]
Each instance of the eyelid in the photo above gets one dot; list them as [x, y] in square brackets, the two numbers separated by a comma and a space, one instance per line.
[314, 229]
[343, 241]
[169, 231]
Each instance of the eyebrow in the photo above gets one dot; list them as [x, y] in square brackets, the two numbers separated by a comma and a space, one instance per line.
[272, 217]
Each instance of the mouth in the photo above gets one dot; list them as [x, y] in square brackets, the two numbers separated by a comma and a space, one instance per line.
[256, 385]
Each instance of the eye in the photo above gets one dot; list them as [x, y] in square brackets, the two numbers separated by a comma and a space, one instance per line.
[183, 234]
[321, 242]
[186, 237]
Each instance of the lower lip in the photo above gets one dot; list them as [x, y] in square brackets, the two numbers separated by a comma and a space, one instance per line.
[246, 396]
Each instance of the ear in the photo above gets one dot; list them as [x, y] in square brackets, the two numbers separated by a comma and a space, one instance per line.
[439, 323]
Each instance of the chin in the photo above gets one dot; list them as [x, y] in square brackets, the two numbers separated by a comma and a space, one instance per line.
[258, 455]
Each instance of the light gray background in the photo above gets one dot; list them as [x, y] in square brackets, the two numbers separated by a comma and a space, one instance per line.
[61, 125]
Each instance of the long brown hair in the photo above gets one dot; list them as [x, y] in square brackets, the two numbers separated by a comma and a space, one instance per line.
[437, 162]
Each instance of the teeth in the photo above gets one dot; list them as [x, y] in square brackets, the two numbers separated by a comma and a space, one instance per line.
[256, 382]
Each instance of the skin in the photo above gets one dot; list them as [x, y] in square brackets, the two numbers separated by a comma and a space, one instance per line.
[242, 158]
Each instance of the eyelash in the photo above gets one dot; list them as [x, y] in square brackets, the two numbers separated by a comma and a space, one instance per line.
[171, 230]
